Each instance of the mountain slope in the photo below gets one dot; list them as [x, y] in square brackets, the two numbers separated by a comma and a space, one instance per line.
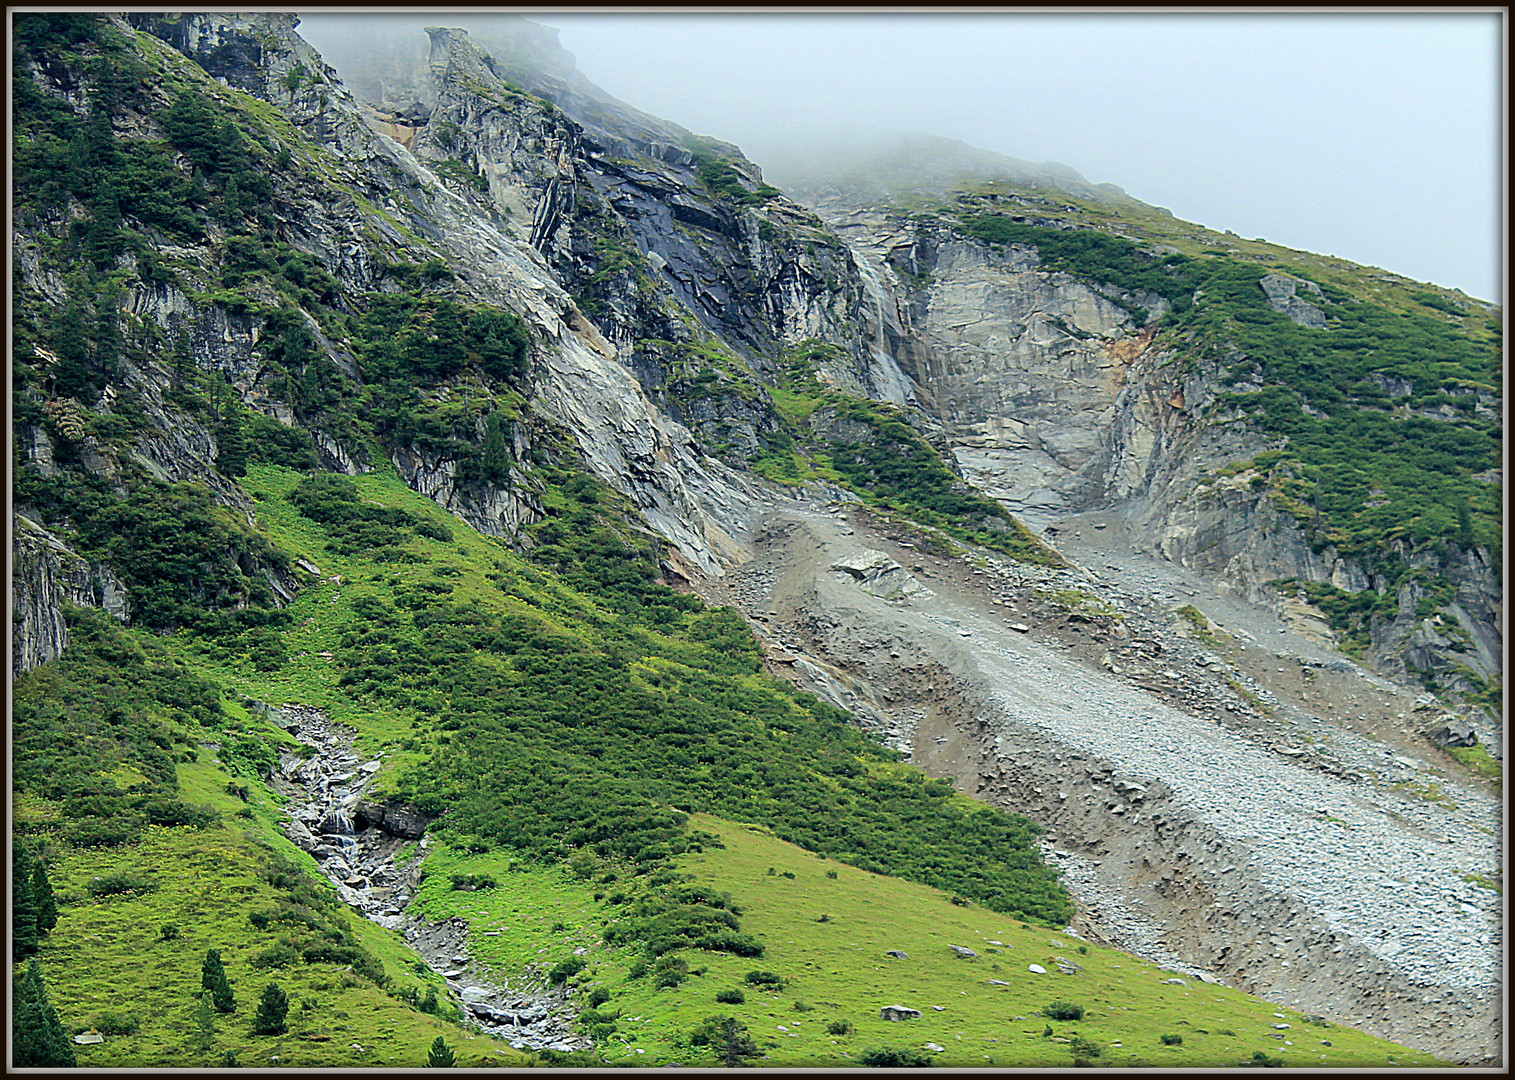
[269, 340]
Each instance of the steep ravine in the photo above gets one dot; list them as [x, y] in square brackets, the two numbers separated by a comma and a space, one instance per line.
[375, 854]
[1238, 837]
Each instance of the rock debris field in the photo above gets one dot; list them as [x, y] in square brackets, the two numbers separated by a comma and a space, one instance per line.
[1296, 837]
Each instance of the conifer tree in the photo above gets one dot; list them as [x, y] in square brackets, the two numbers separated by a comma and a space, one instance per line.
[205, 1025]
[23, 906]
[38, 1038]
[42, 893]
[231, 444]
[213, 978]
[71, 341]
[108, 333]
[183, 359]
[496, 449]
[272, 1011]
[441, 1056]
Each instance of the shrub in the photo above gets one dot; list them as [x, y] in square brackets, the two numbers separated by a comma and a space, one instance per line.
[472, 882]
[598, 996]
[564, 968]
[1085, 1050]
[1171, 1040]
[116, 884]
[1063, 1010]
[730, 997]
[839, 1027]
[765, 978]
[168, 931]
[279, 955]
[895, 1057]
[803, 1006]
[113, 1023]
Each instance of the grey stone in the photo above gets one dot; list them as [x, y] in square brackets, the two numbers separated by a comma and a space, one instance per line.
[896, 954]
[899, 1012]
[962, 950]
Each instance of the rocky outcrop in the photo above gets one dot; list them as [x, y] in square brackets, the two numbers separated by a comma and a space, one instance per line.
[1283, 297]
[44, 575]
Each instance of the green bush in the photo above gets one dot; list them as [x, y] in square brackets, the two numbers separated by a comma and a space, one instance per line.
[895, 1057]
[563, 969]
[1171, 1040]
[119, 883]
[1063, 1010]
[116, 1023]
[730, 997]
[766, 979]
[839, 1027]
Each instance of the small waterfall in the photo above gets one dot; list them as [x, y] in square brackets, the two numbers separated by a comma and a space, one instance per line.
[889, 382]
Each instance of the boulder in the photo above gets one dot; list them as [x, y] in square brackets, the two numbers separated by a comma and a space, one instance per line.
[896, 954]
[898, 1012]
[403, 821]
[89, 1038]
[962, 950]
[1454, 731]
[1036, 968]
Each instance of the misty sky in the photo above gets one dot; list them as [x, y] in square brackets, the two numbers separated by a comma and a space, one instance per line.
[1374, 137]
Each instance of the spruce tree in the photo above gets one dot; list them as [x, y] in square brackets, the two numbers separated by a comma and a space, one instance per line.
[38, 1038]
[231, 444]
[183, 360]
[42, 893]
[272, 1010]
[75, 378]
[23, 906]
[441, 1056]
[108, 333]
[213, 978]
[496, 449]
[205, 1025]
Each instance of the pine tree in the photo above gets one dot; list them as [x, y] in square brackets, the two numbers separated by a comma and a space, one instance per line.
[38, 1038]
[736, 1044]
[231, 444]
[42, 893]
[496, 449]
[441, 1056]
[102, 236]
[108, 332]
[205, 1025]
[272, 1010]
[75, 378]
[183, 360]
[213, 978]
[24, 908]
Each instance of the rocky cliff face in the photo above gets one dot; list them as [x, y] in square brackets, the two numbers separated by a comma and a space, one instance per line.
[1056, 399]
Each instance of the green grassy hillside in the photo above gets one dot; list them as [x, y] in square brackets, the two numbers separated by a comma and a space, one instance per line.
[646, 870]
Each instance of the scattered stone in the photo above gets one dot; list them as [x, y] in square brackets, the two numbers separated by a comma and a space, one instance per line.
[896, 954]
[899, 1012]
[935, 1048]
[89, 1038]
[1037, 968]
[1175, 982]
[962, 950]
